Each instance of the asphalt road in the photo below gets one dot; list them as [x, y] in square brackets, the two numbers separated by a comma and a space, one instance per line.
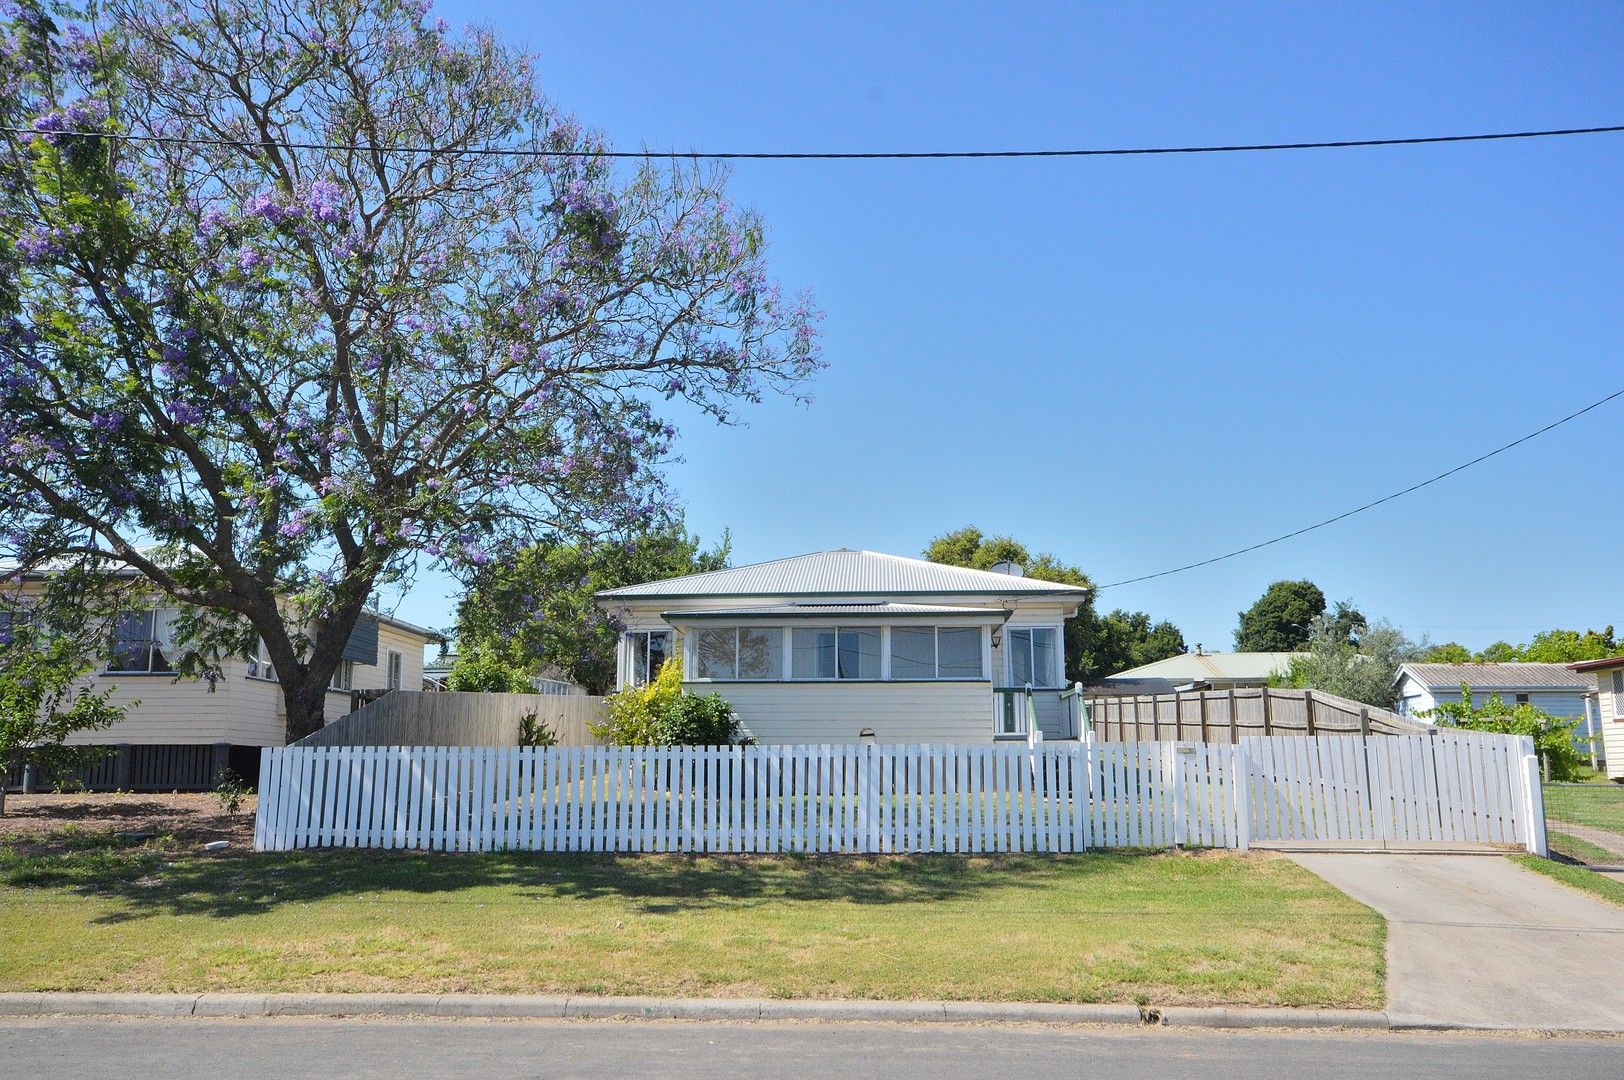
[224, 1049]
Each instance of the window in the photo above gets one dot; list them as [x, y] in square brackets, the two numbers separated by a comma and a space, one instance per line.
[392, 674]
[1520, 699]
[10, 621]
[344, 674]
[650, 649]
[936, 652]
[830, 653]
[741, 652]
[259, 664]
[141, 642]
[1033, 652]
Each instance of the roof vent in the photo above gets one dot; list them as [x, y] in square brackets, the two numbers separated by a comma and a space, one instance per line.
[1013, 569]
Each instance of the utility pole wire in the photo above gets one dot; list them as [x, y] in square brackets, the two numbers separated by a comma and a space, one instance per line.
[1369, 505]
[830, 155]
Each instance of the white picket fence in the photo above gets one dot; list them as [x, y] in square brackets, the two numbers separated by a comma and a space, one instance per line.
[1450, 790]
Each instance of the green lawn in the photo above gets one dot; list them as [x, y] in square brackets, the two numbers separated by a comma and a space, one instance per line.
[1580, 849]
[1157, 928]
[1601, 806]
[1577, 876]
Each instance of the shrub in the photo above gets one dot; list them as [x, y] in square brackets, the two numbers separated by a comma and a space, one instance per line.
[661, 714]
[533, 731]
[1552, 735]
[692, 720]
[634, 711]
[230, 791]
[481, 670]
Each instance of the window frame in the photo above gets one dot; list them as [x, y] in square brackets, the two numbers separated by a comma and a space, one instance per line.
[394, 672]
[881, 657]
[936, 654]
[260, 666]
[343, 680]
[691, 663]
[1059, 675]
[153, 641]
[629, 640]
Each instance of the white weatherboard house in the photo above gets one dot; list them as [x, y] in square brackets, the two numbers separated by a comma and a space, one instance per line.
[1608, 698]
[840, 646]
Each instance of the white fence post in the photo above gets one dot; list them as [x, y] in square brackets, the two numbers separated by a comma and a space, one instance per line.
[1241, 792]
[1533, 800]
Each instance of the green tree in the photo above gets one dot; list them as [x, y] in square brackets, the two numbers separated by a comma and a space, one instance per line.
[1282, 619]
[1450, 652]
[1366, 670]
[538, 611]
[268, 302]
[1501, 652]
[1570, 646]
[44, 698]
[1095, 645]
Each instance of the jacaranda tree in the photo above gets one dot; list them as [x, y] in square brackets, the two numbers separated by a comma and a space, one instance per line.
[278, 330]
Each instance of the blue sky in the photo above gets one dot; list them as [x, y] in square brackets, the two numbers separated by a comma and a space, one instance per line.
[1135, 363]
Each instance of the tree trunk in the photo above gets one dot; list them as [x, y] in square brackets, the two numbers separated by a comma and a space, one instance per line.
[2, 796]
[305, 700]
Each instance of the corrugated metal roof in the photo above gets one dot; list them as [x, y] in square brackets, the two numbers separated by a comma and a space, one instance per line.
[1598, 665]
[843, 572]
[1497, 676]
[823, 611]
[1224, 665]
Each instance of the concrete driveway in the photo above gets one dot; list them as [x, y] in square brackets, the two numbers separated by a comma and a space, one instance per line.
[1478, 940]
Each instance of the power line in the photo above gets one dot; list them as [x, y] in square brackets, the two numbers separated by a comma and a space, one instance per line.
[1369, 505]
[828, 155]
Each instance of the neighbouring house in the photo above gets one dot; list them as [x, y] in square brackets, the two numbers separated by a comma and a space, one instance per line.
[1553, 688]
[1607, 699]
[839, 646]
[180, 732]
[1198, 670]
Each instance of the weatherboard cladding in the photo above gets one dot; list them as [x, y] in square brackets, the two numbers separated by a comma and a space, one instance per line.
[1497, 676]
[843, 572]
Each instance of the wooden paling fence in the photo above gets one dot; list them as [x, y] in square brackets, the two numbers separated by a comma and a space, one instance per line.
[1228, 715]
[1459, 790]
[449, 718]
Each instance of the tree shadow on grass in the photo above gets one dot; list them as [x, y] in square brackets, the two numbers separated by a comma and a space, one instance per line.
[147, 881]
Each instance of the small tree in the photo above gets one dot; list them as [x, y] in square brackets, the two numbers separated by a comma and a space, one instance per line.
[482, 669]
[1552, 735]
[44, 699]
[1366, 671]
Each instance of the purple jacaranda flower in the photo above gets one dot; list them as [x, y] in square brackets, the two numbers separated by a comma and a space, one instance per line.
[296, 525]
[325, 201]
[183, 412]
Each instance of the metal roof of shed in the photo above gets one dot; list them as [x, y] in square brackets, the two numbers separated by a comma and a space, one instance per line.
[844, 572]
[1496, 676]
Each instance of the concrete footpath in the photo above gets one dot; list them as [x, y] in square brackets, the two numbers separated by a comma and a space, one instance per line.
[524, 1006]
[1476, 941]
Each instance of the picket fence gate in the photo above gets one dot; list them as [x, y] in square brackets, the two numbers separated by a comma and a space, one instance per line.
[1455, 790]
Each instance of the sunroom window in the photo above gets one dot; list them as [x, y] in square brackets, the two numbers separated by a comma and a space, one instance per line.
[1033, 656]
[936, 652]
[739, 652]
[649, 649]
[836, 653]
